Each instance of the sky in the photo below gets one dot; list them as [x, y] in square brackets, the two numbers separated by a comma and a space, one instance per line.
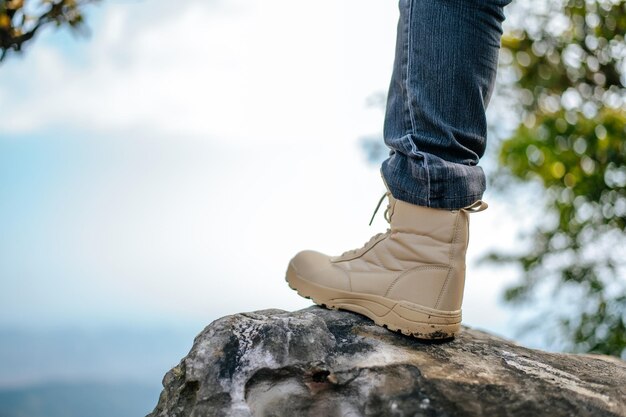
[167, 167]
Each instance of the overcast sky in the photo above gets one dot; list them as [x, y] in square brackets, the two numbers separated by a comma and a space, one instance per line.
[167, 168]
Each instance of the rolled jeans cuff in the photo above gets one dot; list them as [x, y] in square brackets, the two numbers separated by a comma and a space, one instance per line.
[434, 182]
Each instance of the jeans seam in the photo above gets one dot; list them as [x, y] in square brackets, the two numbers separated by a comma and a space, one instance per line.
[409, 99]
[407, 52]
[406, 69]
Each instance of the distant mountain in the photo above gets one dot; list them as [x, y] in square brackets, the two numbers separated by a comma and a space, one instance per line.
[124, 367]
[79, 400]
[139, 354]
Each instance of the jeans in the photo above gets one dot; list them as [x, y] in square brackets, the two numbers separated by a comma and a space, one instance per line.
[443, 76]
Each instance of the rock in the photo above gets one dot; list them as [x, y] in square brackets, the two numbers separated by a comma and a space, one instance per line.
[323, 363]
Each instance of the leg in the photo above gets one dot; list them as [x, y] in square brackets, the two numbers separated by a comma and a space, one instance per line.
[411, 278]
[443, 76]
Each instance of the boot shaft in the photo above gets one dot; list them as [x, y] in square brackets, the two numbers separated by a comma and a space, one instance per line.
[420, 259]
[438, 237]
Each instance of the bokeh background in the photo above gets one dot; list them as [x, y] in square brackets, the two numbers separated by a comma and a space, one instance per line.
[160, 165]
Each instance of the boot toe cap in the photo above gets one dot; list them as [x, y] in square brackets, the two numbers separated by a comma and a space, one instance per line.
[316, 267]
[308, 262]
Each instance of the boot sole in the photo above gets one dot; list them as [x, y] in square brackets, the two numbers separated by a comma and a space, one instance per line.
[396, 315]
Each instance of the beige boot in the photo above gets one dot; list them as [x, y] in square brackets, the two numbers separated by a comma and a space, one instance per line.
[409, 278]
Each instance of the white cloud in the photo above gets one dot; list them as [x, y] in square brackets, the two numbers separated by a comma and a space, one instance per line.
[271, 69]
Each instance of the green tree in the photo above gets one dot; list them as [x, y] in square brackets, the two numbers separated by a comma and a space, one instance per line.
[567, 65]
[21, 20]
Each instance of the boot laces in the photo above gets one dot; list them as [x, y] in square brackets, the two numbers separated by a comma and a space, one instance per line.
[377, 235]
[386, 214]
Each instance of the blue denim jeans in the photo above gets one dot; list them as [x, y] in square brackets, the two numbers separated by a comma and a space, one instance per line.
[443, 76]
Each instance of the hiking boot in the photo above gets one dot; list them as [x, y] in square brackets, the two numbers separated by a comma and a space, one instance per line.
[409, 278]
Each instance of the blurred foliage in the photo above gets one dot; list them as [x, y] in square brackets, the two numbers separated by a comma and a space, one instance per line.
[568, 66]
[20, 20]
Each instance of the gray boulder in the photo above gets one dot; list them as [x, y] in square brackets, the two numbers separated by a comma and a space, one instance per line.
[323, 363]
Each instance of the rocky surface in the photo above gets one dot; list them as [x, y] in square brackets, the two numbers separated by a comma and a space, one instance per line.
[322, 363]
